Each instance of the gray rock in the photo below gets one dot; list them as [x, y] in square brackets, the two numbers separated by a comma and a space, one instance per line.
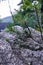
[18, 29]
[12, 54]
[31, 44]
[7, 36]
[32, 56]
[5, 52]
[36, 35]
[7, 56]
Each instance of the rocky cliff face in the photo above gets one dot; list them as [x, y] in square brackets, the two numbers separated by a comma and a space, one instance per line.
[21, 50]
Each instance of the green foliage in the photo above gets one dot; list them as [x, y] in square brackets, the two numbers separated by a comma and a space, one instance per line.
[22, 17]
[10, 27]
[27, 13]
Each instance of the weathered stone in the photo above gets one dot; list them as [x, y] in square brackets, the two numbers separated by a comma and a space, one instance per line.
[36, 35]
[18, 29]
[31, 52]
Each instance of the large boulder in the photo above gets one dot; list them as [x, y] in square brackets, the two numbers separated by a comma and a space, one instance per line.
[18, 29]
[9, 56]
[16, 51]
[36, 35]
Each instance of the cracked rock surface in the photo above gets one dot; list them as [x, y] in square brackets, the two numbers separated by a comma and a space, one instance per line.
[16, 51]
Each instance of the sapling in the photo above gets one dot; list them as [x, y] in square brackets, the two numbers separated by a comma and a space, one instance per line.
[38, 11]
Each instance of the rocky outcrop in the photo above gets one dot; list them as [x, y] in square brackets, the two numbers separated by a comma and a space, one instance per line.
[21, 50]
[18, 29]
[36, 35]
